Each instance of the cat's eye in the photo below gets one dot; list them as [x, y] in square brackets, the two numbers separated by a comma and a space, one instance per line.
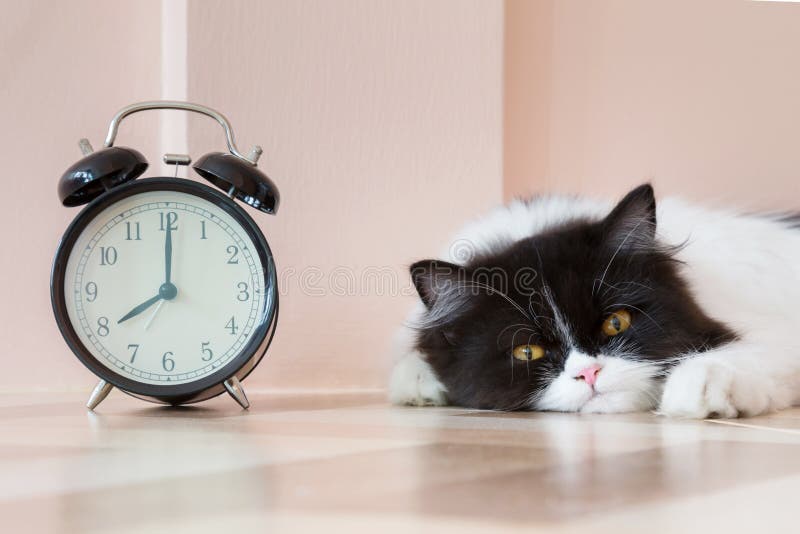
[528, 352]
[616, 323]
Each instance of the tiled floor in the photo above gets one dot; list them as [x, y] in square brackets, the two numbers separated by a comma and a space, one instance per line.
[350, 463]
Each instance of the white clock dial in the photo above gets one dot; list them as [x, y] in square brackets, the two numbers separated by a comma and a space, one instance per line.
[164, 287]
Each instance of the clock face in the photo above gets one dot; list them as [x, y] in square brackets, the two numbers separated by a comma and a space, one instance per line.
[164, 287]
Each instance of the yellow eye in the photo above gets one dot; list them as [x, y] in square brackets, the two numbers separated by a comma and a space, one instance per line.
[528, 352]
[616, 323]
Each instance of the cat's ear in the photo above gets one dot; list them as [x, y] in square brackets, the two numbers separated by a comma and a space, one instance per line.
[632, 222]
[435, 279]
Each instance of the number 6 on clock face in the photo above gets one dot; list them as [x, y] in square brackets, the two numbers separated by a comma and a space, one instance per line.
[167, 288]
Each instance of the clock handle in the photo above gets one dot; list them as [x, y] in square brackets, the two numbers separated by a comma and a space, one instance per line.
[251, 158]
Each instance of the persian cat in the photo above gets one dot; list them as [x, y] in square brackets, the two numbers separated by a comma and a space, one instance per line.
[569, 304]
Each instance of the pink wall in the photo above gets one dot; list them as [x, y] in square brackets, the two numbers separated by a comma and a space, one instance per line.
[701, 97]
[380, 121]
[386, 124]
[65, 67]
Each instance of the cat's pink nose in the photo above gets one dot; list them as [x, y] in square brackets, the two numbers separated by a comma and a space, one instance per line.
[589, 374]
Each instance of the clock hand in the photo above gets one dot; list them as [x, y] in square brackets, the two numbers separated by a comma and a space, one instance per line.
[140, 308]
[168, 252]
[153, 315]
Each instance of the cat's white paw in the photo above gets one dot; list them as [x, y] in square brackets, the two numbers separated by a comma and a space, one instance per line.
[414, 383]
[706, 387]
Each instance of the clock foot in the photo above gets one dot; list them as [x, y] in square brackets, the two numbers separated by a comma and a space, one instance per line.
[100, 392]
[236, 391]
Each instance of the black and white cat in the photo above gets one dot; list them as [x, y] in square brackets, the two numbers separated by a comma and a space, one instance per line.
[568, 304]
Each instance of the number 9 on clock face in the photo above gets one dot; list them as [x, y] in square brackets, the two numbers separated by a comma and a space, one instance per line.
[165, 289]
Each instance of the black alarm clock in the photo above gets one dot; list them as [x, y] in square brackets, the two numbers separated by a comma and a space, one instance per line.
[164, 287]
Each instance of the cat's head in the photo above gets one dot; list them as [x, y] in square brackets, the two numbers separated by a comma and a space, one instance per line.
[582, 317]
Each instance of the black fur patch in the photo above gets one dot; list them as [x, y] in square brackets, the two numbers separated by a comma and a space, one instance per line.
[790, 219]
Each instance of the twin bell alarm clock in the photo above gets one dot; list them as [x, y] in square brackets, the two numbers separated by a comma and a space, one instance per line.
[165, 288]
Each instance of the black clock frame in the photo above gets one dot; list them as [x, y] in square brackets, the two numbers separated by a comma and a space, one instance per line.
[203, 388]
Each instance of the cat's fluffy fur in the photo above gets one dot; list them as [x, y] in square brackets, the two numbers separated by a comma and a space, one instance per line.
[734, 282]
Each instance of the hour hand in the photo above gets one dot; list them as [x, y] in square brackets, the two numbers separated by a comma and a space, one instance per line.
[140, 308]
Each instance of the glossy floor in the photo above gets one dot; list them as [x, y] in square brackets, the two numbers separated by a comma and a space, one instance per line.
[349, 462]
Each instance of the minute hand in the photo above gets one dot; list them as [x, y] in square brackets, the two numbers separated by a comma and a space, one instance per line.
[140, 308]
[168, 252]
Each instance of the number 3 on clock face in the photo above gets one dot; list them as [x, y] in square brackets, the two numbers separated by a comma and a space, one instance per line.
[168, 287]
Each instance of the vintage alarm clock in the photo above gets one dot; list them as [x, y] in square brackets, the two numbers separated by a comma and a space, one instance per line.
[164, 287]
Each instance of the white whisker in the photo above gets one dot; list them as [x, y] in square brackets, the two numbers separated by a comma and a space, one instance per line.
[622, 244]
